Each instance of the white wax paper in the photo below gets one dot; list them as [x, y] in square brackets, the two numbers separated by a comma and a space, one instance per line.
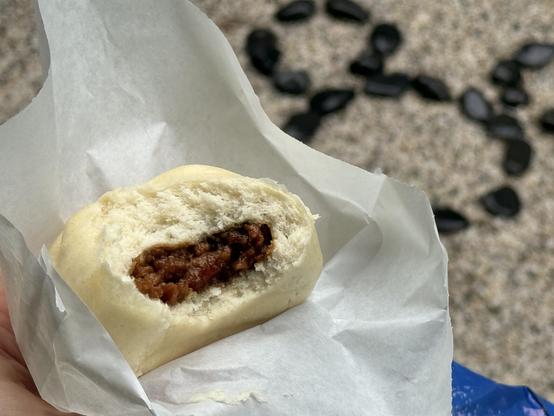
[137, 87]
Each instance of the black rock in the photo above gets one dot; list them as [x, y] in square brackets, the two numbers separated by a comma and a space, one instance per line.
[367, 63]
[347, 10]
[302, 126]
[502, 202]
[514, 96]
[517, 157]
[385, 38]
[331, 100]
[431, 88]
[449, 221]
[534, 55]
[505, 127]
[475, 106]
[261, 46]
[391, 85]
[506, 73]
[547, 120]
[296, 10]
[291, 82]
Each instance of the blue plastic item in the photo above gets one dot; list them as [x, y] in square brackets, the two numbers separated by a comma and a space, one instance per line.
[475, 395]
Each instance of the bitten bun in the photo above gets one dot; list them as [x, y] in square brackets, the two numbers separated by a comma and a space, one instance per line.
[95, 251]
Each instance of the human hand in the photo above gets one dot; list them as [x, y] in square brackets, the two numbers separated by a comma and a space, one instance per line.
[18, 394]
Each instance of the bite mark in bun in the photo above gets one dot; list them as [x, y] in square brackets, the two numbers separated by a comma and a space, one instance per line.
[172, 272]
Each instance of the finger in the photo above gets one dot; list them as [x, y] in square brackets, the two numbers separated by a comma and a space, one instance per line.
[15, 400]
[8, 343]
[18, 393]
[14, 372]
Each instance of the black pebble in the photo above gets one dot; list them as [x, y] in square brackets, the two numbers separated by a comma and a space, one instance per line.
[449, 221]
[385, 38]
[347, 10]
[295, 11]
[475, 106]
[261, 46]
[514, 96]
[291, 82]
[390, 85]
[506, 73]
[505, 127]
[302, 126]
[517, 157]
[431, 88]
[547, 120]
[534, 55]
[367, 63]
[331, 100]
[502, 202]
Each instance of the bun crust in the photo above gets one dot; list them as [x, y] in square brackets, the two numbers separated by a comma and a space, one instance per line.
[94, 252]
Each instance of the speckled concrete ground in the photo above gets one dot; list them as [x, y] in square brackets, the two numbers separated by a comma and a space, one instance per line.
[501, 271]
[19, 66]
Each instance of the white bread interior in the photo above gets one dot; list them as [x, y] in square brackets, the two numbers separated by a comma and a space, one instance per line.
[94, 252]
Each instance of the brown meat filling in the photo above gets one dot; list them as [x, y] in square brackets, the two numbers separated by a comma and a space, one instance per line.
[172, 272]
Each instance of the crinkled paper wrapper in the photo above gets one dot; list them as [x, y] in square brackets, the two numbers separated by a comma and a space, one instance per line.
[136, 87]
